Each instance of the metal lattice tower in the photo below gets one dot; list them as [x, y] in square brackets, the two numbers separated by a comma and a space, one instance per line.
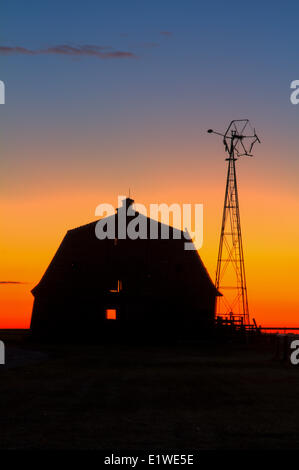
[230, 272]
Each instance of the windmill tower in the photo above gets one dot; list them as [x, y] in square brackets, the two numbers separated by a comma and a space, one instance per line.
[238, 141]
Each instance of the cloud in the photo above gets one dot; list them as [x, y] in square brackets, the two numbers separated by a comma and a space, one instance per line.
[166, 33]
[101, 52]
[12, 282]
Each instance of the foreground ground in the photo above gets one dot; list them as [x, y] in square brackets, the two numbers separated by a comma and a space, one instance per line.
[204, 396]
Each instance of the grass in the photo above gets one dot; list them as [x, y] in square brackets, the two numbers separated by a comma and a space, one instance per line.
[203, 396]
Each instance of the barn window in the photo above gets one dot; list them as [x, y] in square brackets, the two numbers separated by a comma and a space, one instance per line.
[111, 314]
[118, 286]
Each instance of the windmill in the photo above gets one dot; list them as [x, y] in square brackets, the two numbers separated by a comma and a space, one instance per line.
[238, 141]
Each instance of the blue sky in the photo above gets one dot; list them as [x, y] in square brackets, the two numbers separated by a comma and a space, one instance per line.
[221, 60]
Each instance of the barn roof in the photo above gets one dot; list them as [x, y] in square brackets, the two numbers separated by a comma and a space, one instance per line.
[81, 247]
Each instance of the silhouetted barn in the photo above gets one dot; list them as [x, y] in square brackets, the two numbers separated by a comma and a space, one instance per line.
[98, 289]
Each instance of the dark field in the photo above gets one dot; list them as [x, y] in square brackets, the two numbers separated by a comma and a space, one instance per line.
[199, 396]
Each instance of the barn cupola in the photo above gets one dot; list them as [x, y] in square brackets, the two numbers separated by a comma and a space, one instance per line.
[124, 215]
[126, 203]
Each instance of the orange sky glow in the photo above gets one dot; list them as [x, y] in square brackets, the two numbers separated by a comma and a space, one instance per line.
[35, 224]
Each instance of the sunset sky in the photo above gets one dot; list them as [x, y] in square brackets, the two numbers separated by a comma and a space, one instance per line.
[103, 96]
